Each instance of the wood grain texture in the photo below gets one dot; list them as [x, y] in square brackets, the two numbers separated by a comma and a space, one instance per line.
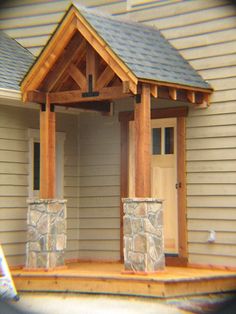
[142, 114]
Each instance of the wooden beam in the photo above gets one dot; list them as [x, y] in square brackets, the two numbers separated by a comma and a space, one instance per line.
[173, 93]
[191, 96]
[105, 78]
[142, 114]
[35, 96]
[48, 57]
[177, 86]
[91, 64]
[47, 151]
[181, 177]
[75, 48]
[157, 113]
[77, 76]
[154, 91]
[106, 93]
[98, 106]
[124, 186]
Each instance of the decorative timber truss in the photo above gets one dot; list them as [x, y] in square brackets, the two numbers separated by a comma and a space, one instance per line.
[79, 69]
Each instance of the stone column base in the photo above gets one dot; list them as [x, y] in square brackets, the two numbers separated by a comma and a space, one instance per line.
[46, 234]
[143, 235]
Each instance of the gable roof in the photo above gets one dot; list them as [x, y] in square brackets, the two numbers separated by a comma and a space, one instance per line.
[14, 62]
[135, 52]
[145, 51]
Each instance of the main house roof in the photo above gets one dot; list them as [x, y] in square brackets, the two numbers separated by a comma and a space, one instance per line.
[14, 62]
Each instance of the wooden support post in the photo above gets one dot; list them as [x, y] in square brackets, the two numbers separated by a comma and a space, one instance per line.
[47, 151]
[142, 115]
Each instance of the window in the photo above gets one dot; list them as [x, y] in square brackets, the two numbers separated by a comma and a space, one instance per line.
[163, 141]
[156, 141]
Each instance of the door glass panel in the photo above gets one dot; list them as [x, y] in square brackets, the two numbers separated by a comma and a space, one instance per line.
[169, 140]
[156, 141]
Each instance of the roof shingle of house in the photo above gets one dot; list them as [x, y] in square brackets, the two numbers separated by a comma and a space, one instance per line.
[14, 62]
[144, 50]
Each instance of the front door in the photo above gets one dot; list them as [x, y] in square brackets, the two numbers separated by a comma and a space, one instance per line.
[164, 175]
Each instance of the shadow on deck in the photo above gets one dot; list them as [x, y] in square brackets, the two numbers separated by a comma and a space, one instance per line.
[108, 278]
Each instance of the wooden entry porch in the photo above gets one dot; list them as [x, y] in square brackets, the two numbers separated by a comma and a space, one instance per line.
[108, 278]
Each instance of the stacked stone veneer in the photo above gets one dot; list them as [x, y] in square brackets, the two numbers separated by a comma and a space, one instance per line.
[46, 234]
[143, 235]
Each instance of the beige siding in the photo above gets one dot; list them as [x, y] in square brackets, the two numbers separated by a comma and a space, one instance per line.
[14, 172]
[31, 23]
[99, 214]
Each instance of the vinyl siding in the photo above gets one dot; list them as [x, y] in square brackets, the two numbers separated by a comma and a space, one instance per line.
[14, 172]
[99, 169]
[31, 23]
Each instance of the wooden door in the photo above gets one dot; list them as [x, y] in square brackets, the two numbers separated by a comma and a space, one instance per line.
[164, 175]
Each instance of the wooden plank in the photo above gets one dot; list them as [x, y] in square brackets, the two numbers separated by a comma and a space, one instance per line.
[50, 54]
[142, 113]
[173, 93]
[124, 189]
[181, 175]
[154, 91]
[157, 113]
[77, 76]
[106, 76]
[99, 212]
[106, 93]
[216, 249]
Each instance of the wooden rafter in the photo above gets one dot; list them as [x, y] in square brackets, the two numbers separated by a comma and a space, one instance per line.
[75, 48]
[76, 96]
[105, 78]
[77, 76]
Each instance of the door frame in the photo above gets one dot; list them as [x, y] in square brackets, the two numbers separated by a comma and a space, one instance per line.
[179, 113]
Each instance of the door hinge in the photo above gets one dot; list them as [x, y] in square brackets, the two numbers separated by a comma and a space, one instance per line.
[178, 185]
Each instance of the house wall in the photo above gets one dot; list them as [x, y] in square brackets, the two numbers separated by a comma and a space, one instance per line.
[14, 176]
[204, 33]
[99, 182]
[32, 22]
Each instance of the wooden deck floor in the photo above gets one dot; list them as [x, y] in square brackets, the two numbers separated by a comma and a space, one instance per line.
[108, 278]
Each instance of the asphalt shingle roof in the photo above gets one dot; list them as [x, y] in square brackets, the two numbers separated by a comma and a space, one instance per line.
[145, 51]
[14, 62]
